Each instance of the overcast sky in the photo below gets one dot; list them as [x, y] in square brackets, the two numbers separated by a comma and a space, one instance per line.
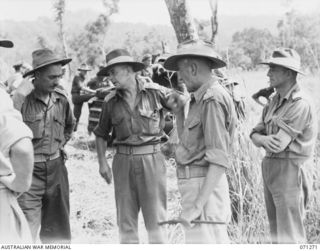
[153, 11]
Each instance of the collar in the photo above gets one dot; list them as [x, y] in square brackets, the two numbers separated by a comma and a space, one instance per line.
[294, 89]
[54, 97]
[198, 94]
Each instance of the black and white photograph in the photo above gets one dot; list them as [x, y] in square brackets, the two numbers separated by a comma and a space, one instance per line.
[159, 122]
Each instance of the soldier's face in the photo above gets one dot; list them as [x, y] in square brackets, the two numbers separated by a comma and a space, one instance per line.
[185, 75]
[48, 78]
[277, 75]
[119, 75]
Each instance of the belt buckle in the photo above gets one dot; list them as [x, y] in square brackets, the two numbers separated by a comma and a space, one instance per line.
[187, 171]
[130, 150]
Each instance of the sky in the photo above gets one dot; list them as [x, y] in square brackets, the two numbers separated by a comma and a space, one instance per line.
[153, 11]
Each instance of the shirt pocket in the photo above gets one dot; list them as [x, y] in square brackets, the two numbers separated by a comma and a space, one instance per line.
[121, 128]
[36, 124]
[193, 133]
[58, 128]
[150, 121]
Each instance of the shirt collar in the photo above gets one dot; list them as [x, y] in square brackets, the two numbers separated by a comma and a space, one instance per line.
[295, 88]
[198, 94]
[54, 97]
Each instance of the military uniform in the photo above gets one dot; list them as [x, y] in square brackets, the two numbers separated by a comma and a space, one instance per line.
[46, 204]
[138, 167]
[287, 182]
[205, 138]
[78, 98]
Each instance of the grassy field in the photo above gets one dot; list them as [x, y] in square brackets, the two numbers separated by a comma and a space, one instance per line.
[93, 214]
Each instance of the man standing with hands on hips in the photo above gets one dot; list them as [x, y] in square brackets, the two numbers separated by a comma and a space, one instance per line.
[47, 112]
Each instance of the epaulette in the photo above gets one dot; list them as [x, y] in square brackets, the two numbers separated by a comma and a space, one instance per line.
[299, 95]
[110, 96]
[61, 91]
[210, 93]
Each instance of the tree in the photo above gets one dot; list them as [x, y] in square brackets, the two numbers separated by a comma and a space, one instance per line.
[181, 20]
[88, 46]
[255, 43]
[301, 33]
[59, 8]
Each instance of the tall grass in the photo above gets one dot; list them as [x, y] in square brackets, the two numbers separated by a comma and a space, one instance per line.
[249, 222]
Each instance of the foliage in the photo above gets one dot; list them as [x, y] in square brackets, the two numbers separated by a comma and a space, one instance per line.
[302, 32]
[254, 43]
[89, 46]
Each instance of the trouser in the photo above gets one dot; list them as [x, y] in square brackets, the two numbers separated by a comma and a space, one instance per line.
[140, 182]
[216, 209]
[46, 204]
[13, 225]
[286, 191]
[78, 101]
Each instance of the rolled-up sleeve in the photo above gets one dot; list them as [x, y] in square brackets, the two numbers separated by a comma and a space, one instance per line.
[216, 136]
[12, 130]
[104, 126]
[297, 119]
[69, 122]
[260, 127]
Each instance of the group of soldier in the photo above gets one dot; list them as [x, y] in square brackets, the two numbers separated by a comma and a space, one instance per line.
[34, 188]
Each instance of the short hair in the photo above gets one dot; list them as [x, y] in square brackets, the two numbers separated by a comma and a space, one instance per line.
[17, 67]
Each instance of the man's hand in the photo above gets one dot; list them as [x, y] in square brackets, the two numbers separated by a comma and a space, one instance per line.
[105, 172]
[189, 214]
[271, 143]
[176, 101]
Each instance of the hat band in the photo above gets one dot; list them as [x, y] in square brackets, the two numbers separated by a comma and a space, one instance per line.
[120, 59]
[285, 62]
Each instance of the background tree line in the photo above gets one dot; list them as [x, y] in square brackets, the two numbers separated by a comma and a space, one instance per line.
[87, 36]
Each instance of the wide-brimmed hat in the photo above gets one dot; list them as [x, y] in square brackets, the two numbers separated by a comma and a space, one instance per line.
[163, 57]
[120, 56]
[287, 58]
[6, 43]
[146, 56]
[195, 48]
[45, 57]
[84, 67]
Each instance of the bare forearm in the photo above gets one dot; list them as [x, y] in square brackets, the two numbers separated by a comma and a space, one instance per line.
[213, 179]
[22, 163]
[101, 150]
[257, 139]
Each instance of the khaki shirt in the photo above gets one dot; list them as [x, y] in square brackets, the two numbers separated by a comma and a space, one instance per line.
[52, 124]
[207, 133]
[77, 83]
[12, 129]
[295, 115]
[141, 126]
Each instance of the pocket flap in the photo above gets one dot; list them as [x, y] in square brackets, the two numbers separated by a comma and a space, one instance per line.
[32, 117]
[58, 119]
[194, 123]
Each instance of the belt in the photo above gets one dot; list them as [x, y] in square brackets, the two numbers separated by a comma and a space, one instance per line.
[191, 171]
[46, 157]
[135, 150]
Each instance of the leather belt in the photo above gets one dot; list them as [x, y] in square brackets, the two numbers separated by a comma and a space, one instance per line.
[46, 157]
[191, 171]
[135, 150]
